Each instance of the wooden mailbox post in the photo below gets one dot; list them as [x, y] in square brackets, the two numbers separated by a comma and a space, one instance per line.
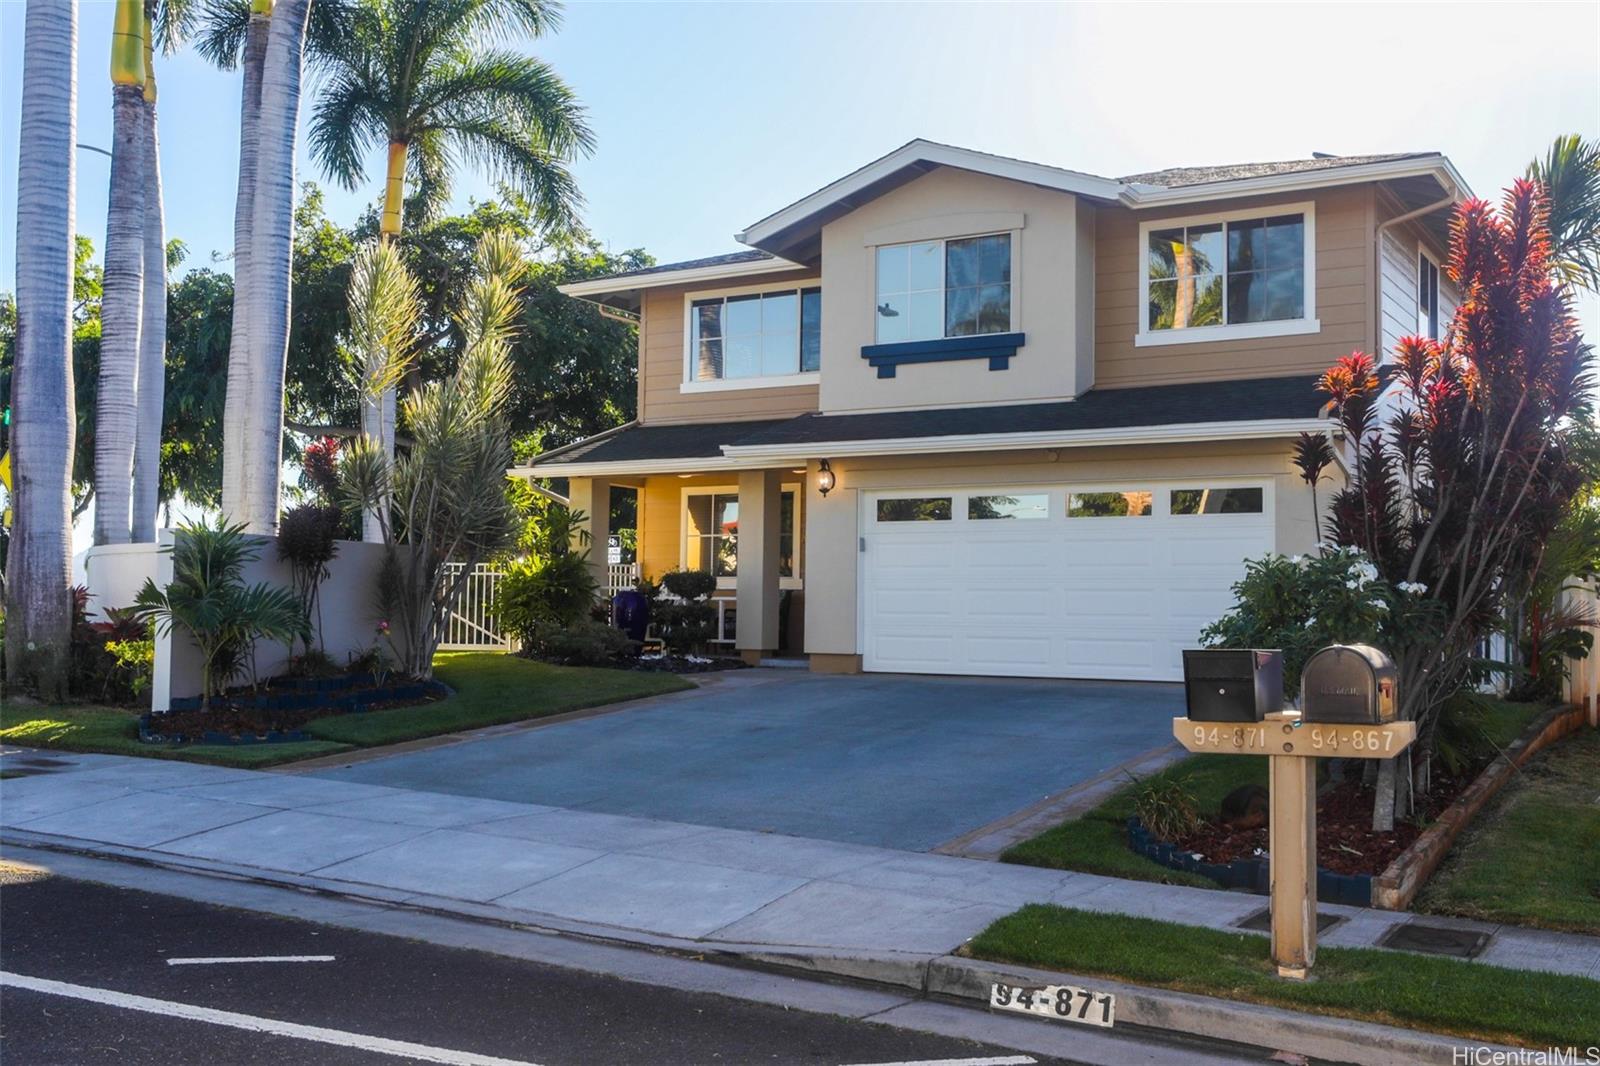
[1291, 747]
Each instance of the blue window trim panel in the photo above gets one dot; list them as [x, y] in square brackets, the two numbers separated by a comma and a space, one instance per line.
[998, 348]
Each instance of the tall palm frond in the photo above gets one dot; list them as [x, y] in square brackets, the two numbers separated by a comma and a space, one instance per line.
[1570, 174]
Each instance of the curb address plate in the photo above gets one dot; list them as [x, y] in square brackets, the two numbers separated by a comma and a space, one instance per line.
[1062, 1002]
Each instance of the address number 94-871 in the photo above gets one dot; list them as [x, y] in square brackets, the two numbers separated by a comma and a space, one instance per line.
[1061, 1002]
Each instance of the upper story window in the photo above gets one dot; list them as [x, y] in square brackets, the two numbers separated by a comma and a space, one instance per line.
[947, 288]
[1240, 274]
[1427, 296]
[755, 335]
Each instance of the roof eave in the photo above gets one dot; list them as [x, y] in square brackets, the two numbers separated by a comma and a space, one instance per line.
[1436, 166]
[602, 287]
[923, 151]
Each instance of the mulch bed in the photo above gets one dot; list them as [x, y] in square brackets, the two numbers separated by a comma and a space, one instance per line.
[281, 708]
[1346, 843]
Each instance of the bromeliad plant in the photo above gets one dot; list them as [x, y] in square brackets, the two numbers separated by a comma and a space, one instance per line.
[446, 499]
[1463, 471]
[210, 600]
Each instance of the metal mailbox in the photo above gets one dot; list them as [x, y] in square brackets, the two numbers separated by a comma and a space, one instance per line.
[1232, 684]
[1348, 683]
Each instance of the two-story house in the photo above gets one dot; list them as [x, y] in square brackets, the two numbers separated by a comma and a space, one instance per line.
[959, 413]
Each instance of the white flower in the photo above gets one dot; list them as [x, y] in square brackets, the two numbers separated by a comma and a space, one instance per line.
[1378, 605]
[1297, 560]
[1412, 588]
[1353, 583]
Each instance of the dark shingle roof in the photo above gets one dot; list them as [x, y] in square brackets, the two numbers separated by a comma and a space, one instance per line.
[1177, 177]
[633, 442]
[1155, 405]
[749, 255]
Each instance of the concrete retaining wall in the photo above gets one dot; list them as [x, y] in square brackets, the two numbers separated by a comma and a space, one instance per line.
[347, 625]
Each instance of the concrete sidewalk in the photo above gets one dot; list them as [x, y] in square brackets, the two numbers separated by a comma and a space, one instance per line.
[629, 879]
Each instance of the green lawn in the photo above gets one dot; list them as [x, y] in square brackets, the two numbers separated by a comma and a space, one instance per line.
[1097, 841]
[1417, 991]
[490, 688]
[1532, 857]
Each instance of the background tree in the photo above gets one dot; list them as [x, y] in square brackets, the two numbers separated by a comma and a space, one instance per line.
[1458, 494]
[416, 77]
[1570, 174]
[38, 560]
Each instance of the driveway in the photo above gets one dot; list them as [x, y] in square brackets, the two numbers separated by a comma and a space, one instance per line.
[888, 760]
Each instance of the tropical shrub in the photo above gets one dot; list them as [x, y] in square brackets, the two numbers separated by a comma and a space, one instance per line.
[446, 499]
[684, 616]
[554, 587]
[1463, 471]
[209, 600]
[1299, 604]
[308, 538]
[584, 643]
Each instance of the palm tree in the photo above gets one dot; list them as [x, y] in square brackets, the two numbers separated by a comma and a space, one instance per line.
[415, 77]
[116, 403]
[152, 378]
[38, 561]
[1570, 174]
[267, 290]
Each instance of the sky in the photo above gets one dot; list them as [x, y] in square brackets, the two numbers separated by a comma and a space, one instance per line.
[709, 116]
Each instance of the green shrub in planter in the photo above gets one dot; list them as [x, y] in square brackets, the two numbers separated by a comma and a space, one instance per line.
[688, 621]
[584, 643]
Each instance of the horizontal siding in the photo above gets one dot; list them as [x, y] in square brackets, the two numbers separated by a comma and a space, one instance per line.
[1343, 288]
[1399, 281]
[661, 369]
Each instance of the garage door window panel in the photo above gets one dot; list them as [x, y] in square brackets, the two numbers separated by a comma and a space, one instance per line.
[1136, 503]
[1020, 506]
[916, 509]
[1217, 501]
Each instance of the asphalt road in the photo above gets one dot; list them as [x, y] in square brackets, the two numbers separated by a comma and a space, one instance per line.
[103, 945]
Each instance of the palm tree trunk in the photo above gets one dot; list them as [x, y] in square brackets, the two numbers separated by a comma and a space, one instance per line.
[271, 255]
[378, 415]
[116, 405]
[237, 410]
[39, 556]
[152, 332]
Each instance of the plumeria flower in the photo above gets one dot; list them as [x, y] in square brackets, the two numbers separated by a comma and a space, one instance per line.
[1413, 588]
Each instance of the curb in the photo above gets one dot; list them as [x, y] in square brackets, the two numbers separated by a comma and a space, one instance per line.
[947, 977]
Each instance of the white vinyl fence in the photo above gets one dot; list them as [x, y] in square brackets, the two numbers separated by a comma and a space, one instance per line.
[471, 626]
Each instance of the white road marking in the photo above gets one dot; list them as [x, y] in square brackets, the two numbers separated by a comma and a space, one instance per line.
[381, 1045]
[1003, 1060]
[249, 958]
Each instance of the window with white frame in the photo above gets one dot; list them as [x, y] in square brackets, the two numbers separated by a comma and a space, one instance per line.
[1427, 296]
[711, 532]
[947, 288]
[755, 335]
[1238, 272]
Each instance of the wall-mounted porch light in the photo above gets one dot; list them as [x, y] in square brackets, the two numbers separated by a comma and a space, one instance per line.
[825, 478]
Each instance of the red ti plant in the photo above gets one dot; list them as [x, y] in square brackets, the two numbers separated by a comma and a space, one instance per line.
[1462, 471]
[321, 465]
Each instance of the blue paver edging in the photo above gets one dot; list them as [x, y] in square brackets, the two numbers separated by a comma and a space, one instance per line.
[1353, 890]
[296, 695]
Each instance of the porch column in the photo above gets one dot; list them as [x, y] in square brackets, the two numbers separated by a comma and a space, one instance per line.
[760, 499]
[592, 496]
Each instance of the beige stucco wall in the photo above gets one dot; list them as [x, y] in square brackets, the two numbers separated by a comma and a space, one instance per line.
[1345, 301]
[661, 353]
[832, 524]
[954, 203]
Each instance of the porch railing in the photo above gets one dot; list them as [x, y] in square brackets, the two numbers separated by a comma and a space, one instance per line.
[620, 577]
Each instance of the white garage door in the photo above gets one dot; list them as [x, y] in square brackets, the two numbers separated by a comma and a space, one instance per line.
[1097, 581]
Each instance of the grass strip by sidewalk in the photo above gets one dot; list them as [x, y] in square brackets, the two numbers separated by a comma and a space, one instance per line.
[490, 689]
[1097, 841]
[1533, 855]
[1391, 988]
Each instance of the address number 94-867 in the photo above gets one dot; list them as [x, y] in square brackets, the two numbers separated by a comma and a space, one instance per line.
[1062, 1002]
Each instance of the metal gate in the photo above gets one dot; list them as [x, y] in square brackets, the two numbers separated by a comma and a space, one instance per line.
[472, 626]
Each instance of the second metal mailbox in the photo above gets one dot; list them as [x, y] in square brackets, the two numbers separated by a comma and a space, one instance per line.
[1232, 684]
[1348, 683]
